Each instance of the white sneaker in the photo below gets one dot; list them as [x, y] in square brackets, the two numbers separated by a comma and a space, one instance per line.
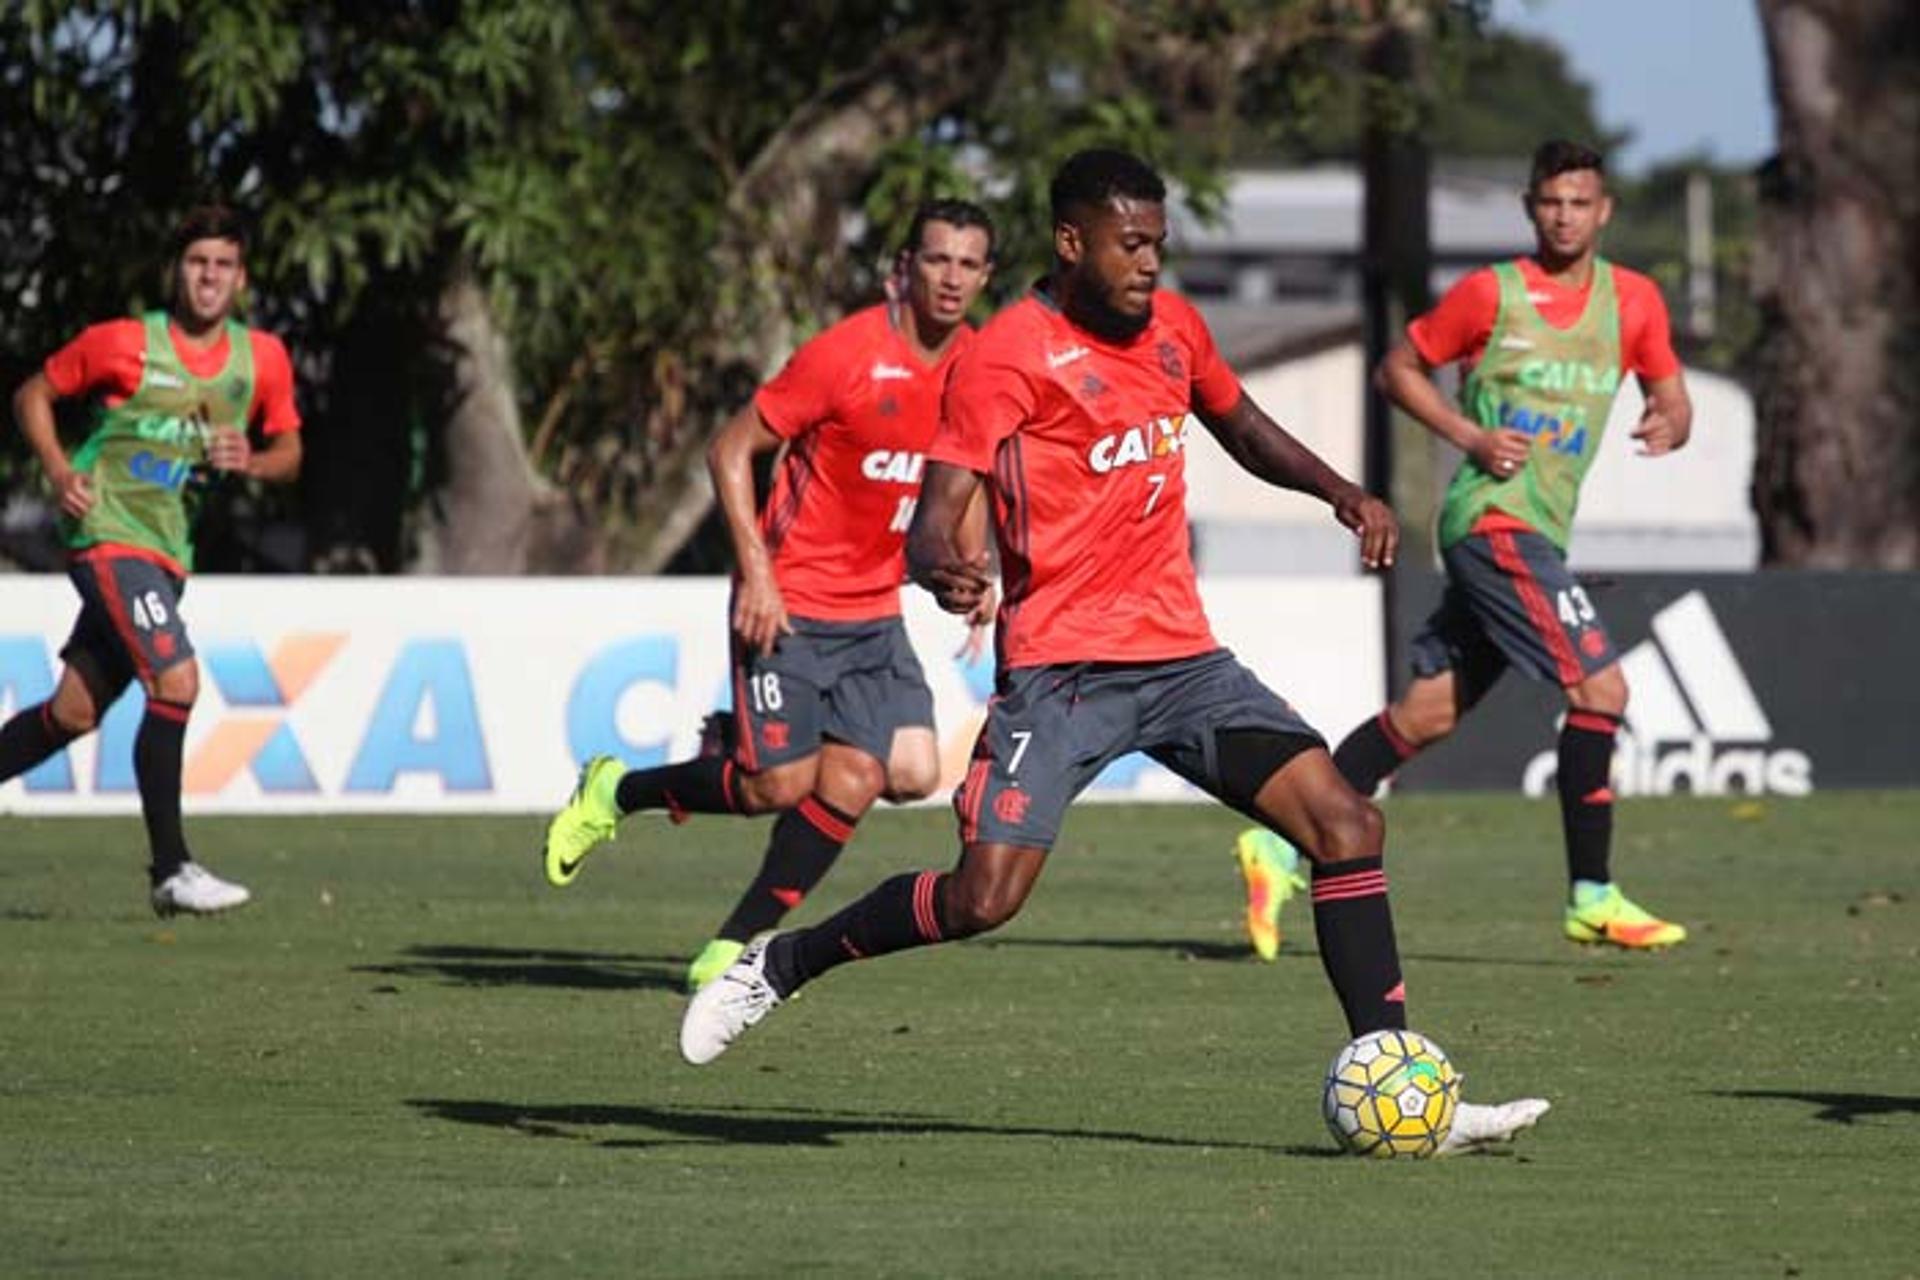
[1477, 1128]
[728, 1005]
[198, 892]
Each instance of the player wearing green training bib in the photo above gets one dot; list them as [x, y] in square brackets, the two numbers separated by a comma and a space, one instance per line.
[1543, 343]
[177, 395]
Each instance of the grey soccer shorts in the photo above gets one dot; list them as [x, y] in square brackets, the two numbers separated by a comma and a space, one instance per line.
[1511, 601]
[853, 682]
[129, 625]
[1050, 730]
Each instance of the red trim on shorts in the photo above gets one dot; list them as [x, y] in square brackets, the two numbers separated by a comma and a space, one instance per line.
[926, 911]
[966, 801]
[178, 712]
[821, 819]
[121, 551]
[1506, 554]
[1356, 884]
[1593, 722]
[102, 567]
[743, 741]
[1401, 747]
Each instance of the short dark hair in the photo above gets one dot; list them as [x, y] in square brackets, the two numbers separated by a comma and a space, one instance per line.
[1557, 156]
[960, 214]
[208, 222]
[1091, 178]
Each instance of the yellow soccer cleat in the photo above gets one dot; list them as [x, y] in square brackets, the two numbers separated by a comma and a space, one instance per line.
[586, 823]
[1600, 913]
[1271, 868]
[714, 959]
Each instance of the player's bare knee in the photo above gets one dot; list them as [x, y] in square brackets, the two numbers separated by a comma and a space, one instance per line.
[74, 718]
[178, 684]
[1351, 827]
[1604, 691]
[914, 780]
[976, 905]
[1426, 724]
[775, 790]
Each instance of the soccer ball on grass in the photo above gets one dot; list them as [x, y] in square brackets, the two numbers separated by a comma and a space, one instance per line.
[1390, 1093]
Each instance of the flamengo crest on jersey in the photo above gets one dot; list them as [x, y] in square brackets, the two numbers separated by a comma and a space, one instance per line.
[1693, 723]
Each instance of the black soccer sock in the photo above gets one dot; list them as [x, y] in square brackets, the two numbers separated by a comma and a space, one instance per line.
[1586, 798]
[898, 915]
[707, 784]
[156, 767]
[1354, 924]
[805, 842]
[1371, 754]
[27, 739]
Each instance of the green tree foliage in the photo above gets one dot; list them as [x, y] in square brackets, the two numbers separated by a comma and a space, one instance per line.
[657, 199]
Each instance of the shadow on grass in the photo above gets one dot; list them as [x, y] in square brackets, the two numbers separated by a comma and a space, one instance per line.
[1835, 1108]
[801, 1127]
[1239, 953]
[470, 966]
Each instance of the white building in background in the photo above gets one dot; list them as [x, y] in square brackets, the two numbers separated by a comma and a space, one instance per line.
[1278, 279]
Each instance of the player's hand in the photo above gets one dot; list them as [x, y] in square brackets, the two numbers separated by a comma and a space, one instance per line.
[228, 450]
[75, 492]
[959, 586]
[1657, 434]
[1502, 452]
[977, 623]
[760, 614]
[1373, 521]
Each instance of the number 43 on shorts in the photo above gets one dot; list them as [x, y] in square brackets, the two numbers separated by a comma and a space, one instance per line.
[1574, 609]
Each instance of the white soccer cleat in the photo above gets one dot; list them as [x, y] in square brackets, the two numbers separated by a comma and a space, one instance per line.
[198, 892]
[1479, 1128]
[728, 1005]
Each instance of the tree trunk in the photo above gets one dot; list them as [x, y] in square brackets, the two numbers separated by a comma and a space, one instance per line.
[481, 519]
[1837, 369]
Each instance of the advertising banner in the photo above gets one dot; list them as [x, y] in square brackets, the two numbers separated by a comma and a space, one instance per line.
[461, 694]
[1774, 683]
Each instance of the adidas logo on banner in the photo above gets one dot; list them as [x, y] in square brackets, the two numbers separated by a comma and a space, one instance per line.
[1693, 722]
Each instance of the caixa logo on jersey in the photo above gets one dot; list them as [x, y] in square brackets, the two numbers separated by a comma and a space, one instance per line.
[1159, 438]
[1694, 723]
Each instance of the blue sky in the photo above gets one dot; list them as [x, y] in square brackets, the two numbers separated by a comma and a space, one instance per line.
[1687, 76]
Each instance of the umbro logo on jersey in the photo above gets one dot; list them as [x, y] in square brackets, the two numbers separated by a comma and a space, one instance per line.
[1693, 722]
[159, 378]
[884, 372]
[1511, 343]
[1060, 359]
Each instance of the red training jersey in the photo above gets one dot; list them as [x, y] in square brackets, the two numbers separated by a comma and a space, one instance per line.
[858, 409]
[1459, 326]
[108, 359]
[1082, 441]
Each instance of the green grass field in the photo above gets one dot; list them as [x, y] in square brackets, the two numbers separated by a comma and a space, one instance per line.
[411, 1057]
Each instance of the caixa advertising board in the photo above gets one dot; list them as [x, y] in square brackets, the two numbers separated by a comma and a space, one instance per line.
[1773, 683]
[448, 695]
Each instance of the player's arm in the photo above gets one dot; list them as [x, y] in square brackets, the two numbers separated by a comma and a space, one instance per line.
[942, 555]
[759, 611]
[1667, 423]
[33, 405]
[278, 463]
[1405, 378]
[1261, 446]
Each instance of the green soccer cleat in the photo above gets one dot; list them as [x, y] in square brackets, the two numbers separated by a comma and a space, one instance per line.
[587, 821]
[1271, 868]
[1600, 913]
[714, 959]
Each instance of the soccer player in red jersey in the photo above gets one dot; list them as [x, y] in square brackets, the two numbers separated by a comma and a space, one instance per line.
[830, 708]
[1071, 410]
[1544, 342]
[177, 394]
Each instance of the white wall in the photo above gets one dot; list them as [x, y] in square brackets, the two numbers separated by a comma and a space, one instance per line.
[444, 695]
